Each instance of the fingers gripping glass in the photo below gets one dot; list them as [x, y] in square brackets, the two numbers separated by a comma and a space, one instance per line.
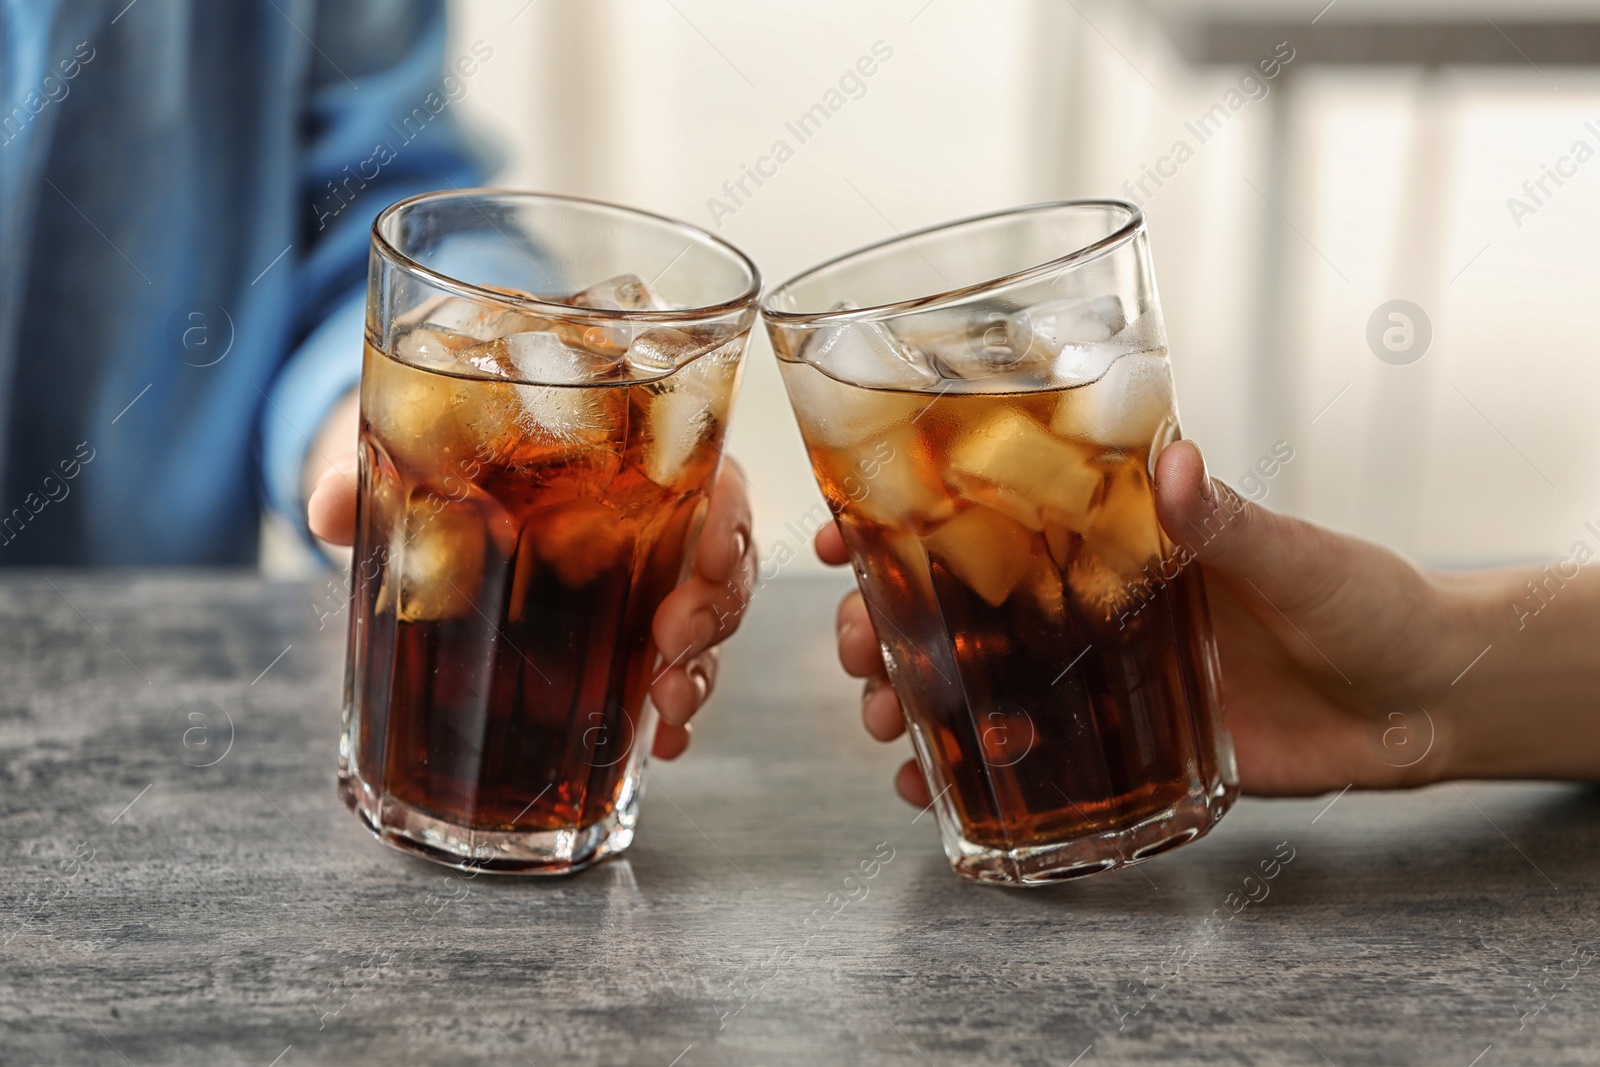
[983, 403]
[546, 387]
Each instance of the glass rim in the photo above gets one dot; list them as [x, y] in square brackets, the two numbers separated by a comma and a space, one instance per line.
[1130, 228]
[550, 309]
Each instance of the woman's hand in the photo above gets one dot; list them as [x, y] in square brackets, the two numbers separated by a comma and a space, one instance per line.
[1342, 663]
[691, 622]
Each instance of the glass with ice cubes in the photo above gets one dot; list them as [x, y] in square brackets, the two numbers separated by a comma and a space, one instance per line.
[983, 404]
[546, 389]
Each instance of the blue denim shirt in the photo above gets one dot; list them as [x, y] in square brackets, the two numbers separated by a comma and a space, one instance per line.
[186, 189]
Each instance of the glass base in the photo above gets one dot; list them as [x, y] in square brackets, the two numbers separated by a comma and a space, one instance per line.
[1096, 854]
[493, 851]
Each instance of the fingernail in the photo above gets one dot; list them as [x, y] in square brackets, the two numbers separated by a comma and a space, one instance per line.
[870, 689]
[1206, 490]
[702, 682]
[741, 543]
[845, 629]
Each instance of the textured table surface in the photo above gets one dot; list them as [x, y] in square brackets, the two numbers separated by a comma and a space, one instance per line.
[182, 886]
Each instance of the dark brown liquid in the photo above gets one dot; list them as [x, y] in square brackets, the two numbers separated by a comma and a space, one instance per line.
[509, 696]
[1046, 714]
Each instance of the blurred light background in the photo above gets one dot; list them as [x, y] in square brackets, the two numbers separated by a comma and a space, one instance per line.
[1377, 164]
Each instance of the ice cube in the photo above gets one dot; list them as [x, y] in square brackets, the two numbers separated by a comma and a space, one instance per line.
[683, 410]
[412, 412]
[1101, 591]
[434, 349]
[1057, 323]
[1008, 502]
[509, 321]
[897, 483]
[541, 356]
[1125, 408]
[572, 405]
[473, 320]
[439, 552]
[869, 354]
[986, 550]
[1010, 463]
[1059, 536]
[495, 418]
[1123, 529]
[488, 412]
[837, 415]
[469, 319]
[925, 329]
[675, 423]
[1079, 364]
[625, 292]
[899, 559]
[983, 342]
[969, 359]
[665, 348]
[1043, 581]
[488, 358]
[384, 513]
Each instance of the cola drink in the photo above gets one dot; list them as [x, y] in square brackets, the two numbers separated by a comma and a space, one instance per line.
[990, 464]
[530, 490]
[1055, 666]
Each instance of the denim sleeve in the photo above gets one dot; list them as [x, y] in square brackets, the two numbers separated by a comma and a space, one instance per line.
[378, 128]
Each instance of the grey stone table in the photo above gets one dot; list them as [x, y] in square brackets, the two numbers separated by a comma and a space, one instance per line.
[157, 910]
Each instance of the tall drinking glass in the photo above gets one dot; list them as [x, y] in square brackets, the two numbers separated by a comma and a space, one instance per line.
[983, 403]
[546, 388]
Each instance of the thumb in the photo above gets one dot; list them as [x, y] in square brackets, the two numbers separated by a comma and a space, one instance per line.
[1287, 561]
[331, 508]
